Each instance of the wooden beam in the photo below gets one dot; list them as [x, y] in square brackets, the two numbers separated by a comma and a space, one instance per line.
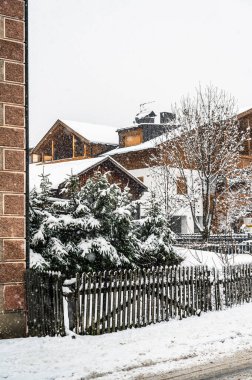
[52, 150]
[249, 142]
[73, 146]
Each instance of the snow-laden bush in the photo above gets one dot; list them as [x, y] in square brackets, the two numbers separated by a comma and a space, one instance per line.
[94, 228]
[155, 236]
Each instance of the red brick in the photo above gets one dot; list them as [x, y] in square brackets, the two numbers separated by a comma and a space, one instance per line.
[14, 72]
[14, 297]
[12, 227]
[11, 93]
[14, 116]
[14, 204]
[14, 160]
[13, 249]
[12, 272]
[12, 137]
[14, 29]
[12, 8]
[13, 182]
[11, 50]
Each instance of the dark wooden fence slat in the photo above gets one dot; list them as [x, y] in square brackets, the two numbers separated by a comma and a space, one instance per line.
[114, 294]
[129, 319]
[144, 299]
[124, 310]
[119, 314]
[139, 295]
[44, 304]
[83, 299]
[148, 297]
[104, 302]
[98, 317]
[77, 303]
[88, 303]
[167, 294]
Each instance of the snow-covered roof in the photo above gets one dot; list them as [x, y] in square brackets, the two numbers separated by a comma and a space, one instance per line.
[153, 143]
[94, 132]
[135, 125]
[145, 112]
[60, 170]
[146, 145]
[244, 113]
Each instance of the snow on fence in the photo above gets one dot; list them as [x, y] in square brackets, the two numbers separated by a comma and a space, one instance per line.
[106, 302]
[44, 303]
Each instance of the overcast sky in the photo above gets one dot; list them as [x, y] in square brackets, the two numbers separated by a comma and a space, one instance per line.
[97, 60]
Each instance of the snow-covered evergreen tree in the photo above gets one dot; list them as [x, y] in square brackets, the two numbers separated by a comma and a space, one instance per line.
[71, 189]
[58, 232]
[39, 210]
[94, 229]
[156, 237]
[111, 240]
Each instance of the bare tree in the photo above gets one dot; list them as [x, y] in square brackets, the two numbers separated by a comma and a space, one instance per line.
[164, 184]
[204, 143]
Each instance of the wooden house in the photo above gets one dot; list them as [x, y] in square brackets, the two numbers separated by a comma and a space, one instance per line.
[245, 120]
[85, 169]
[74, 140]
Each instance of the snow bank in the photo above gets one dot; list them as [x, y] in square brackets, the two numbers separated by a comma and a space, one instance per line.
[193, 257]
[152, 350]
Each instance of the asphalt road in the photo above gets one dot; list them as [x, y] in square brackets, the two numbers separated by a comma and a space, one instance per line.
[237, 367]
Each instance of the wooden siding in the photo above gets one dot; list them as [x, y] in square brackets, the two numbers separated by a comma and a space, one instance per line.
[61, 144]
[130, 137]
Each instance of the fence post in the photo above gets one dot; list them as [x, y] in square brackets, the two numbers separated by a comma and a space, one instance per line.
[77, 303]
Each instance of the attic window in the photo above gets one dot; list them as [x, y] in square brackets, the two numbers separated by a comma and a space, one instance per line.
[141, 178]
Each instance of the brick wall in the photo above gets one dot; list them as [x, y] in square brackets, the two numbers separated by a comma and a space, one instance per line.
[12, 168]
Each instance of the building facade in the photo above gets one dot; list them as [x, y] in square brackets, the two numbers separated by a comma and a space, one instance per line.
[12, 168]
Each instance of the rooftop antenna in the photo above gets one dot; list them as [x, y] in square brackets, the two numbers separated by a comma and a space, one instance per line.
[144, 104]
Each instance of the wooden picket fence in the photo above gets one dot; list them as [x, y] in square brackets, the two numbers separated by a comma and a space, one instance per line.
[45, 315]
[213, 238]
[224, 248]
[237, 284]
[106, 302]
[114, 301]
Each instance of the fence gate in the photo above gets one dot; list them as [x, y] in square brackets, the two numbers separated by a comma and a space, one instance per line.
[44, 304]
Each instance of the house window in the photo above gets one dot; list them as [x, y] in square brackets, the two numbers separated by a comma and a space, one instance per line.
[141, 178]
[176, 224]
[47, 157]
[179, 224]
[133, 139]
[181, 186]
[36, 157]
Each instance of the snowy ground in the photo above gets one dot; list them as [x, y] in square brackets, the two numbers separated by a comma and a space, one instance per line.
[192, 257]
[130, 354]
